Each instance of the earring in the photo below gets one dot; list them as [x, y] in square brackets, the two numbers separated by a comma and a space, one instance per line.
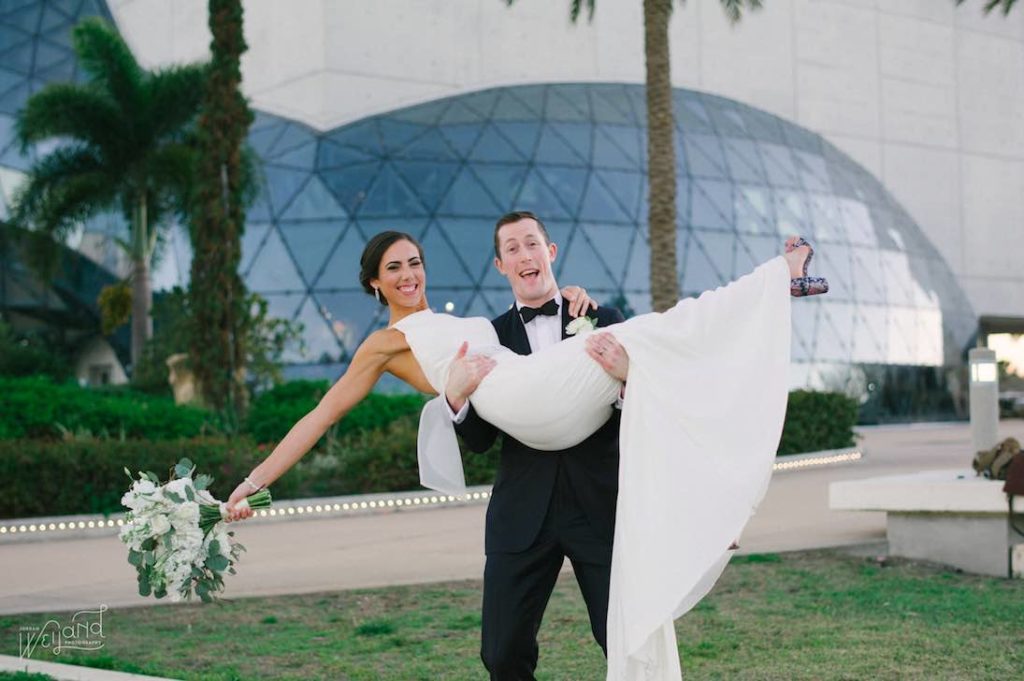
[376, 294]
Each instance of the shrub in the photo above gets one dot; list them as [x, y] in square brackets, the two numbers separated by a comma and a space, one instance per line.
[275, 411]
[30, 354]
[38, 408]
[818, 420]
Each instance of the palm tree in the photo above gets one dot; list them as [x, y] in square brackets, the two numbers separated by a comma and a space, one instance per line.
[121, 146]
[661, 157]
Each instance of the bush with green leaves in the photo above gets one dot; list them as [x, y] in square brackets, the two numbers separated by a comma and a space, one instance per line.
[36, 407]
[33, 354]
[816, 421]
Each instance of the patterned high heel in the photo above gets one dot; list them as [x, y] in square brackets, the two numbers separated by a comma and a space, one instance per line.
[805, 285]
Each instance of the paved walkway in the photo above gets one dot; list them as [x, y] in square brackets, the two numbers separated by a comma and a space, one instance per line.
[416, 546]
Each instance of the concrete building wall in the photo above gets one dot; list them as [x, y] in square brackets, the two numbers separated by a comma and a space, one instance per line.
[929, 97]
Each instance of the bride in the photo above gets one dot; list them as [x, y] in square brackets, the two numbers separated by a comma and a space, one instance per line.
[702, 416]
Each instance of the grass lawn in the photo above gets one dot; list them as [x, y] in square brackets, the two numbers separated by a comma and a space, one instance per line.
[807, 615]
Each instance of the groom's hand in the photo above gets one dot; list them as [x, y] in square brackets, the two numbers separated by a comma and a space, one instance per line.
[465, 375]
[579, 302]
[607, 352]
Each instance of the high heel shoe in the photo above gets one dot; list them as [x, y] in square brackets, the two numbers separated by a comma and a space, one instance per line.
[805, 285]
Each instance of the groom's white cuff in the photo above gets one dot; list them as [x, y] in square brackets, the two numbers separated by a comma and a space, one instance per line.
[461, 415]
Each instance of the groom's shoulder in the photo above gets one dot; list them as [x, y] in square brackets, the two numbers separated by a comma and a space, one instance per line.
[504, 318]
[608, 315]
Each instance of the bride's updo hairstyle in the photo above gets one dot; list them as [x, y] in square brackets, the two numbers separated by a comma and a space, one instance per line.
[373, 253]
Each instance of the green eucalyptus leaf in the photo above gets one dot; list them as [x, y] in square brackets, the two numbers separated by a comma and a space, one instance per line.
[134, 558]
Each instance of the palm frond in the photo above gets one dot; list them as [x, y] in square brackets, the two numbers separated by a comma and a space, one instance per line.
[1004, 5]
[171, 170]
[577, 6]
[173, 97]
[80, 112]
[109, 62]
[734, 8]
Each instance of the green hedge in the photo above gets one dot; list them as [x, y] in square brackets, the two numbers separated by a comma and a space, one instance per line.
[816, 421]
[36, 407]
[275, 411]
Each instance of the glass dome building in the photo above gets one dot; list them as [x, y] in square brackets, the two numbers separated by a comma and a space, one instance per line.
[575, 155]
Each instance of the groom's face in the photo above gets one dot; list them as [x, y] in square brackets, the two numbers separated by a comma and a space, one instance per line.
[525, 259]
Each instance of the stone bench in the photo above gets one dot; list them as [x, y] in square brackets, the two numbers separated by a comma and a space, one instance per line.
[945, 516]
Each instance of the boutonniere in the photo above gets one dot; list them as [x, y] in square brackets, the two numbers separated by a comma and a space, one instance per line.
[580, 324]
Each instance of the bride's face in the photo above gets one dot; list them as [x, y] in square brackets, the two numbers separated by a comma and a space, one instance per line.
[401, 277]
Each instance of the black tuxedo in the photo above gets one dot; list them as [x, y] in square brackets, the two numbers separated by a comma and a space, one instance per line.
[545, 506]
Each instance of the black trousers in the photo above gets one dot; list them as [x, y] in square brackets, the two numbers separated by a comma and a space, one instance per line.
[517, 586]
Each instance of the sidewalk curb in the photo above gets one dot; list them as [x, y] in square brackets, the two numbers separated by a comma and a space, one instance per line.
[69, 672]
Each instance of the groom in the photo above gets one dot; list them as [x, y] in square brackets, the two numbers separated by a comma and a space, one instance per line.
[545, 506]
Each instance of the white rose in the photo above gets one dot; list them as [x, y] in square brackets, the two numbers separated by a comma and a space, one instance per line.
[144, 486]
[179, 486]
[159, 524]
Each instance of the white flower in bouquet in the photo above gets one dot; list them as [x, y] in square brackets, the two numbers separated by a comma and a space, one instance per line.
[176, 540]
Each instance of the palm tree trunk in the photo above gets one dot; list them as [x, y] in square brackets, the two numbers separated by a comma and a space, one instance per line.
[142, 294]
[661, 157]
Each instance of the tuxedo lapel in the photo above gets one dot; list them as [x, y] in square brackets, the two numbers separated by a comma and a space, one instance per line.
[565, 317]
[513, 335]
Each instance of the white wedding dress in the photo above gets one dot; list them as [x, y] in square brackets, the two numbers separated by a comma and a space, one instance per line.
[701, 421]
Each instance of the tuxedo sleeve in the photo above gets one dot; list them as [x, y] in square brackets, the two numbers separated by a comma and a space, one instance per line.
[478, 434]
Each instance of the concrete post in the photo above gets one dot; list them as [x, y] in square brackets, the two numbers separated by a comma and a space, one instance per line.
[984, 398]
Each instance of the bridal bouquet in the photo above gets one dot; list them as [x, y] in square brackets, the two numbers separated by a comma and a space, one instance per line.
[175, 537]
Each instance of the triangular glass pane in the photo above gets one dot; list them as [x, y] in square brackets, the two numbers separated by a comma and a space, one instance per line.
[283, 184]
[638, 269]
[565, 104]
[252, 239]
[262, 139]
[445, 268]
[868, 275]
[62, 70]
[870, 343]
[609, 154]
[744, 161]
[553, 148]
[283, 305]
[825, 219]
[503, 182]
[581, 266]
[537, 196]
[351, 317]
[804, 322]
[492, 146]
[754, 210]
[26, 18]
[9, 79]
[273, 269]
[478, 306]
[791, 213]
[314, 202]
[579, 137]
[415, 227]
[429, 179]
[18, 57]
[302, 156]
[712, 204]
[611, 105]
[625, 187]
[523, 136]
[779, 166]
[53, 19]
[321, 343]
[294, 135]
[390, 195]
[813, 170]
[458, 113]
[567, 183]
[395, 134]
[611, 243]
[361, 135]
[430, 145]
[834, 264]
[333, 155]
[310, 244]
[704, 156]
[342, 268]
[461, 137]
[690, 115]
[482, 102]
[511, 108]
[708, 262]
[467, 197]
[474, 240]
[48, 54]
[260, 209]
[351, 183]
[425, 114]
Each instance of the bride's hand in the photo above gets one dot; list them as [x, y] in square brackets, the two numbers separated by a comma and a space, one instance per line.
[241, 492]
[579, 301]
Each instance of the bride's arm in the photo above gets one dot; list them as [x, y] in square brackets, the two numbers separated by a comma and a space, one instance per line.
[366, 367]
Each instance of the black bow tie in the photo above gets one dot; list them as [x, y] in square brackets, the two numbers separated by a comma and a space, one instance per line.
[549, 308]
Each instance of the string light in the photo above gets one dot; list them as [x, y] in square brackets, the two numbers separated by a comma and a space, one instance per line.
[818, 461]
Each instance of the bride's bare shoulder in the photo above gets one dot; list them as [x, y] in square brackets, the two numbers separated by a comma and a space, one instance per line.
[387, 342]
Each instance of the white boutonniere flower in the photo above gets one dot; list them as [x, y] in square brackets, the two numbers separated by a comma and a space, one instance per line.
[580, 324]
